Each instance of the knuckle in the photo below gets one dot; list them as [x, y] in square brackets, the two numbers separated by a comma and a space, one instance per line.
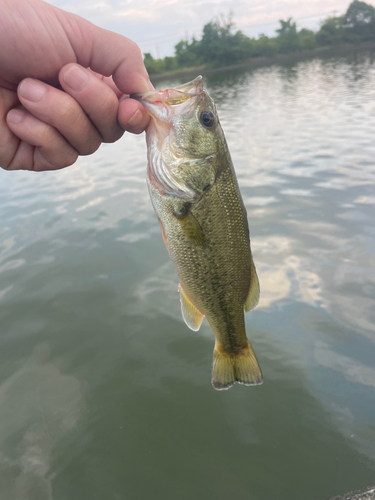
[114, 136]
[70, 158]
[9, 146]
[53, 160]
[70, 115]
[63, 155]
[90, 146]
[106, 118]
[137, 51]
[132, 47]
[107, 107]
[47, 134]
[22, 160]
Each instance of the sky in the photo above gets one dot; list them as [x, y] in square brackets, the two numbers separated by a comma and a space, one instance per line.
[156, 25]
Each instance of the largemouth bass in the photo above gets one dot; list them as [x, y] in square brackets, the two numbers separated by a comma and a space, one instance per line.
[194, 191]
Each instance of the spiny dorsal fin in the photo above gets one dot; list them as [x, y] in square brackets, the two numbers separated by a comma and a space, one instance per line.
[252, 298]
[192, 317]
[191, 228]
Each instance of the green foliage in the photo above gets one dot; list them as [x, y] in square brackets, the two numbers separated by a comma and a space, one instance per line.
[306, 39]
[287, 36]
[187, 54]
[359, 21]
[331, 32]
[157, 66]
[222, 45]
[219, 46]
[265, 47]
[356, 25]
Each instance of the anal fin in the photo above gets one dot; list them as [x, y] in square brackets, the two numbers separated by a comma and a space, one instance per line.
[192, 316]
[252, 298]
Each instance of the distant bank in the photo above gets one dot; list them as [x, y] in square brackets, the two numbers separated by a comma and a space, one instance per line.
[257, 62]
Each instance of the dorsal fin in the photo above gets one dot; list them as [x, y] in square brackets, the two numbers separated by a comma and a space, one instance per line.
[192, 316]
[252, 298]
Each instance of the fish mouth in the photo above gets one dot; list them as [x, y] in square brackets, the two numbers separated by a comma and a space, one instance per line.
[164, 105]
[153, 99]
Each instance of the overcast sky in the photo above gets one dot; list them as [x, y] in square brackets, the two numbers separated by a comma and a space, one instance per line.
[158, 25]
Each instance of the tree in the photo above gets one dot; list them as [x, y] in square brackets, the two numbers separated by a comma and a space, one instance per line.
[331, 32]
[186, 53]
[306, 39]
[265, 46]
[359, 20]
[286, 27]
[221, 45]
[287, 36]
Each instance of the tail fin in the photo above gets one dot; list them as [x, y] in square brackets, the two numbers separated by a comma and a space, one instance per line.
[230, 368]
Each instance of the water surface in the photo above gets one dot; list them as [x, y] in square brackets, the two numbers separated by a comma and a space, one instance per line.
[106, 394]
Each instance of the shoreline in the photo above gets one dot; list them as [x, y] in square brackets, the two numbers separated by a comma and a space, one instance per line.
[257, 62]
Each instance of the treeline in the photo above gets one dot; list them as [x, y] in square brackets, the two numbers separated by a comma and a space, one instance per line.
[222, 45]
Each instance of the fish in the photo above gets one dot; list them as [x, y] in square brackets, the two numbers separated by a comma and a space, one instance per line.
[195, 194]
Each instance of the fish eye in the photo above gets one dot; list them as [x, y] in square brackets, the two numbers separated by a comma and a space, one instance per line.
[207, 119]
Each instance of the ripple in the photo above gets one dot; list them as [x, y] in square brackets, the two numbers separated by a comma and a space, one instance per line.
[260, 201]
[91, 203]
[12, 264]
[36, 419]
[351, 370]
[5, 291]
[297, 192]
[365, 200]
[133, 237]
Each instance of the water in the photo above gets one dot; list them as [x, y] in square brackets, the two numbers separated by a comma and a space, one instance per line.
[106, 394]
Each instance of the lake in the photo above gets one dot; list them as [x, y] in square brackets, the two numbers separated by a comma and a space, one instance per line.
[104, 391]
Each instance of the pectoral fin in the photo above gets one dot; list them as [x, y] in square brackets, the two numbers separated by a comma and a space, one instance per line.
[254, 291]
[192, 317]
[191, 228]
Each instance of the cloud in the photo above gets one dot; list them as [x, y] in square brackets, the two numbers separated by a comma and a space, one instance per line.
[137, 14]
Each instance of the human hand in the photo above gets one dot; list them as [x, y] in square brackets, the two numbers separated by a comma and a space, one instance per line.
[52, 108]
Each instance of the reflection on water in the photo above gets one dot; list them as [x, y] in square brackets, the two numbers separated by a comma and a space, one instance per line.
[101, 383]
[38, 406]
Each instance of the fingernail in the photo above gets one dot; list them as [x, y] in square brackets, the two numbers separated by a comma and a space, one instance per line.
[136, 120]
[16, 115]
[147, 85]
[32, 90]
[76, 78]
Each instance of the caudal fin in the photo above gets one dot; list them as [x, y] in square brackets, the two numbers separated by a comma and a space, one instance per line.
[230, 368]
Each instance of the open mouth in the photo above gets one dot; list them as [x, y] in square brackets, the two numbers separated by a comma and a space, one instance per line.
[158, 102]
